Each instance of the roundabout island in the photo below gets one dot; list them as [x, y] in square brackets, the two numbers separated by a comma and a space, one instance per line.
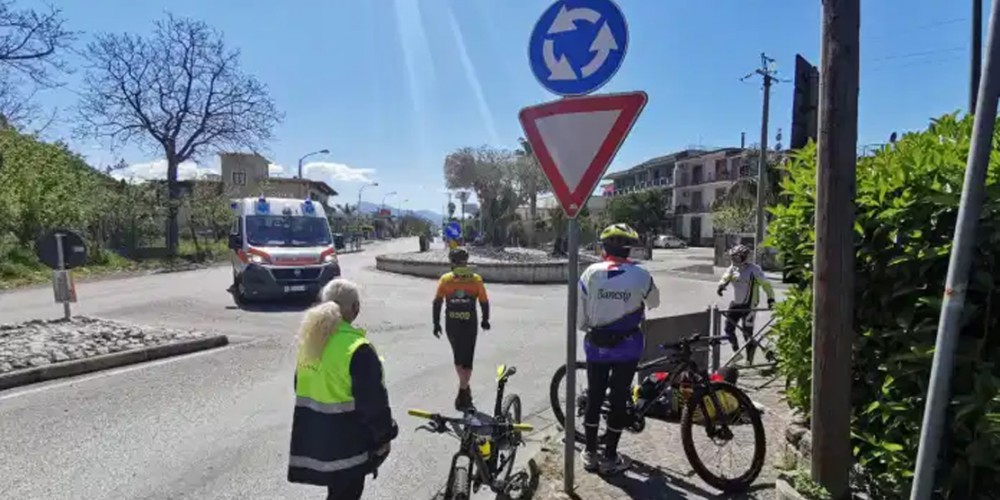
[495, 265]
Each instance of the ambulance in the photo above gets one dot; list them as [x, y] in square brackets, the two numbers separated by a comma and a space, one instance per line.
[280, 247]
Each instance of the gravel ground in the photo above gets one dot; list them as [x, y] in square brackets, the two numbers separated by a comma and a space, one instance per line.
[39, 343]
[660, 470]
[484, 255]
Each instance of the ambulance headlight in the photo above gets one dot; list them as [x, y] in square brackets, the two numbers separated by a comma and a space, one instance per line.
[257, 259]
[329, 258]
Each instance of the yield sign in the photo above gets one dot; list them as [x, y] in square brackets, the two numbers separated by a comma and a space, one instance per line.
[575, 139]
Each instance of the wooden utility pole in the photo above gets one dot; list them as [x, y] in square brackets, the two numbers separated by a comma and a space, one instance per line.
[833, 281]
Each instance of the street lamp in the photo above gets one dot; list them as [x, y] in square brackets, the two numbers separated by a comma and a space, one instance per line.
[393, 193]
[357, 212]
[320, 152]
[402, 222]
[362, 188]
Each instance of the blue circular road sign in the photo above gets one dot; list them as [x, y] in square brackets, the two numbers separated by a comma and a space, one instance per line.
[453, 230]
[578, 45]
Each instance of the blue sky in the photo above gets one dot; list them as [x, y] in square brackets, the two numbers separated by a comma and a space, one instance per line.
[392, 86]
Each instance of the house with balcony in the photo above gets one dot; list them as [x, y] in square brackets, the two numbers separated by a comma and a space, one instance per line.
[698, 182]
[657, 173]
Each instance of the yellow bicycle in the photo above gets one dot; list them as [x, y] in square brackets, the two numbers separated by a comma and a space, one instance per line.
[488, 446]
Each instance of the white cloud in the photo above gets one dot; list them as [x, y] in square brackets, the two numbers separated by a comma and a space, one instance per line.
[337, 172]
[275, 169]
[157, 169]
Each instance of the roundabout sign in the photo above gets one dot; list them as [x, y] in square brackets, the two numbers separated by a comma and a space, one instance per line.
[577, 46]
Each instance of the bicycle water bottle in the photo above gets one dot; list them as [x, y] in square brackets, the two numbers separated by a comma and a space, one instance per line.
[485, 448]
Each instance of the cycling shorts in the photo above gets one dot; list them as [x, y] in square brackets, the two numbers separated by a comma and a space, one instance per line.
[463, 345]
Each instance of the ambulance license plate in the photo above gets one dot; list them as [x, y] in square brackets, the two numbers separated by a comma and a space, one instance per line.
[295, 288]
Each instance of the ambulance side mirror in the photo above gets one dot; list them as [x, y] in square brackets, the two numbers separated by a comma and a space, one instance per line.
[235, 242]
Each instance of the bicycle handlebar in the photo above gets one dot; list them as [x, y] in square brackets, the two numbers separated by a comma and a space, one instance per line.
[439, 421]
[685, 342]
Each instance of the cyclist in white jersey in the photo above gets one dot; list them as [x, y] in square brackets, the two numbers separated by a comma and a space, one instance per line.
[747, 278]
[610, 308]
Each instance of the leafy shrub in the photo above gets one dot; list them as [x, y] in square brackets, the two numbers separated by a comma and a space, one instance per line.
[907, 204]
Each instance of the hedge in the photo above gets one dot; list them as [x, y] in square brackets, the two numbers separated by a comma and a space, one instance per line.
[907, 204]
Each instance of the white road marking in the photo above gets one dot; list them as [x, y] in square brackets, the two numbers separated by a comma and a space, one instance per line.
[15, 393]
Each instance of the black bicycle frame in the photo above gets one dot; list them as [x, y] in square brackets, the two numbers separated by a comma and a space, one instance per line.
[678, 365]
[483, 467]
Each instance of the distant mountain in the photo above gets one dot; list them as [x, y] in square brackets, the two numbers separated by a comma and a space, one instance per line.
[371, 208]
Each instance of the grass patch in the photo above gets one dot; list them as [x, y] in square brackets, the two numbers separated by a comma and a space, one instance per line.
[20, 267]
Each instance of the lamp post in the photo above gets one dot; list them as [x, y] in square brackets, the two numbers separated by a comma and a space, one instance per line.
[357, 211]
[393, 193]
[402, 222]
[320, 152]
[362, 188]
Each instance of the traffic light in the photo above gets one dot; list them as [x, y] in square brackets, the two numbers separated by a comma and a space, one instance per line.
[805, 103]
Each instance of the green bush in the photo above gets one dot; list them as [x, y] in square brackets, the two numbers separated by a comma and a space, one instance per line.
[907, 203]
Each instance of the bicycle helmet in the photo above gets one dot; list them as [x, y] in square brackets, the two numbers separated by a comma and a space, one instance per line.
[739, 253]
[618, 239]
[458, 256]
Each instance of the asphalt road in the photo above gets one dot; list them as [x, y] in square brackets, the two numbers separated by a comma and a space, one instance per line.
[215, 425]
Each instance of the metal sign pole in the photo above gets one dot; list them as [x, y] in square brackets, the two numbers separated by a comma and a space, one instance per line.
[962, 253]
[572, 287]
[61, 255]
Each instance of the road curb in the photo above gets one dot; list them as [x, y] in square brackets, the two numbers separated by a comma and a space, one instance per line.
[107, 361]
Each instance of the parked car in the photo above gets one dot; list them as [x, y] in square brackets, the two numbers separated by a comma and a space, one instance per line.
[669, 241]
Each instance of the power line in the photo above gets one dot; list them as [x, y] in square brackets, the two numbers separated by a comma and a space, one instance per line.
[919, 54]
[919, 27]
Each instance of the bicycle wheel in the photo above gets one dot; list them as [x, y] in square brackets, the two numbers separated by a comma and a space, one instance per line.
[734, 412]
[557, 395]
[461, 483]
[505, 456]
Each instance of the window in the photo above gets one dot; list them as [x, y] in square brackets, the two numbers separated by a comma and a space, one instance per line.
[697, 174]
[696, 204]
[720, 169]
[240, 178]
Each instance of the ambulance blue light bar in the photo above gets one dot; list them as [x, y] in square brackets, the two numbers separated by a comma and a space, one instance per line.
[263, 206]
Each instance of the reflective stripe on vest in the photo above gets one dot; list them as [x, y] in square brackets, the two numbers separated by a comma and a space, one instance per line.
[328, 408]
[332, 466]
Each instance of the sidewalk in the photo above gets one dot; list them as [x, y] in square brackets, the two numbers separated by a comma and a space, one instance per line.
[659, 468]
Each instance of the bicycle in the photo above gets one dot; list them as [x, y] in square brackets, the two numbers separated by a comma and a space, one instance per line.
[684, 382]
[488, 444]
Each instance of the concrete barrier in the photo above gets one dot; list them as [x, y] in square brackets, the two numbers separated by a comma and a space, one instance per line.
[672, 329]
[499, 272]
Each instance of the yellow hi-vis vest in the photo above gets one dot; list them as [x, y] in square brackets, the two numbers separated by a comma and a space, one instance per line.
[327, 436]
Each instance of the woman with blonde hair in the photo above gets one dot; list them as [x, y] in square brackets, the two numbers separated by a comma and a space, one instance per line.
[342, 423]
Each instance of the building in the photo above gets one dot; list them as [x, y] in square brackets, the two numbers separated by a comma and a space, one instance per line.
[657, 173]
[248, 174]
[699, 181]
[694, 179]
[548, 202]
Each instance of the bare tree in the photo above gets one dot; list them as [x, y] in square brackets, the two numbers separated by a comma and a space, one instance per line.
[179, 91]
[31, 41]
[31, 46]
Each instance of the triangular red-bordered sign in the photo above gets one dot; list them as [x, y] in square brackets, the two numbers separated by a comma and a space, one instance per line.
[576, 138]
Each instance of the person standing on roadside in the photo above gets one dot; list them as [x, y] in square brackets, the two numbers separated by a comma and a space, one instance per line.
[747, 279]
[610, 309]
[342, 425]
[458, 291]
